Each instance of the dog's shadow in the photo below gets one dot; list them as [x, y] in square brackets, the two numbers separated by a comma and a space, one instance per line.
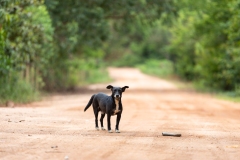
[123, 133]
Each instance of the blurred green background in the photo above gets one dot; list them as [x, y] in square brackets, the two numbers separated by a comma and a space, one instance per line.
[56, 45]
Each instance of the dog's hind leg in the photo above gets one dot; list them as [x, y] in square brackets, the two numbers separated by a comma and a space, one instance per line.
[96, 119]
[95, 110]
[101, 120]
[117, 122]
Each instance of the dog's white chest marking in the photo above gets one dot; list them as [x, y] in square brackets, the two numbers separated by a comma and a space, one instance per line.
[117, 105]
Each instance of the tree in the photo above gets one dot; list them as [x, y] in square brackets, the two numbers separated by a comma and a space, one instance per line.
[81, 26]
[25, 44]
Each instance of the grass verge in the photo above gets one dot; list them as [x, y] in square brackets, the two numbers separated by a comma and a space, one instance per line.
[164, 69]
[97, 76]
[18, 91]
[160, 68]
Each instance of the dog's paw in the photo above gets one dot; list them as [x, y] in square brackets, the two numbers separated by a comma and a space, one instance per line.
[109, 131]
[97, 128]
[117, 131]
[103, 128]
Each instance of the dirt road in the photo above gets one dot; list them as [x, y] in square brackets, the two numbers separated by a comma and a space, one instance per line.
[57, 127]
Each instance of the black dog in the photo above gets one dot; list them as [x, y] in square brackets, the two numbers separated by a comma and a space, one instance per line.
[110, 105]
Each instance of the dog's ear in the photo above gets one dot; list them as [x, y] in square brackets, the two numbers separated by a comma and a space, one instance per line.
[123, 88]
[109, 87]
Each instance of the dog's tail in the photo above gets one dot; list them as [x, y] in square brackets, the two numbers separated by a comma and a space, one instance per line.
[89, 103]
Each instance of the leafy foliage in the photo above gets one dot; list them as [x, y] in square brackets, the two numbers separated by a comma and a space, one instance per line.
[161, 68]
[26, 45]
[82, 27]
[217, 56]
[56, 44]
[182, 44]
[208, 43]
[201, 38]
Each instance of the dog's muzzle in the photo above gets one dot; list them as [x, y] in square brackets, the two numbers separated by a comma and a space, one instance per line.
[117, 97]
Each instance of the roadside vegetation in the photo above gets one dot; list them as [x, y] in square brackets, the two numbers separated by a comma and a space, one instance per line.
[53, 45]
[201, 41]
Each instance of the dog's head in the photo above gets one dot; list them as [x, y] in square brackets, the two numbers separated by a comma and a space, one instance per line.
[117, 91]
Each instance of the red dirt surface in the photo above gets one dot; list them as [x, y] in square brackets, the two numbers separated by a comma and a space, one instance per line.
[57, 127]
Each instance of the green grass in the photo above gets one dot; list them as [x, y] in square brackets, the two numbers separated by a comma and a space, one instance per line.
[229, 96]
[19, 91]
[233, 96]
[22, 92]
[160, 68]
[164, 69]
[98, 76]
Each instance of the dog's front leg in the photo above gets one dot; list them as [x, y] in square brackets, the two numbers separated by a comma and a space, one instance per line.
[117, 122]
[109, 122]
[101, 120]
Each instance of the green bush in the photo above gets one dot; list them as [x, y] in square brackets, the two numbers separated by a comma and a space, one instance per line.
[69, 74]
[26, 47]
[82, 72]
[218, 50]
[127, 60]
[161, 68]
[18, 91]
[182, 44]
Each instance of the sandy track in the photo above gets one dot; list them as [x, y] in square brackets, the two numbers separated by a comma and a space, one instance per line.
[57, 126]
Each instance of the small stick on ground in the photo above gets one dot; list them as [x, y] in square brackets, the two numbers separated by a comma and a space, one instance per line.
[171, 134]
